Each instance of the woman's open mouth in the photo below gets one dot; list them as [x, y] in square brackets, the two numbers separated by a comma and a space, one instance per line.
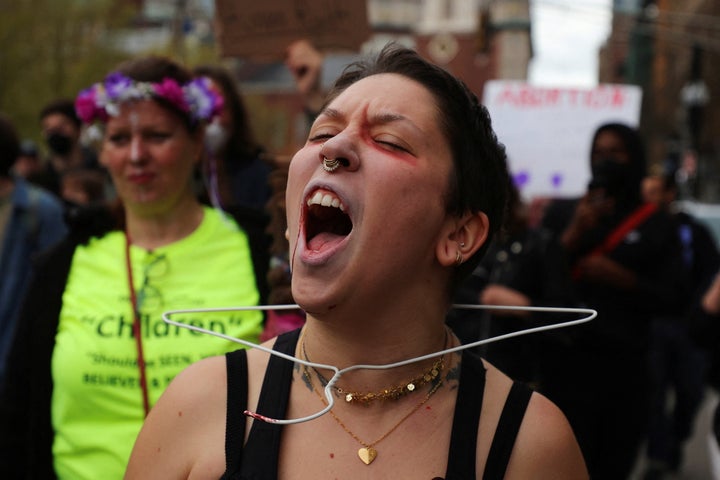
[326, 222]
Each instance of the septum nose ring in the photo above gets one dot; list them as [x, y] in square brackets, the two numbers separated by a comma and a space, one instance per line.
[330, 165]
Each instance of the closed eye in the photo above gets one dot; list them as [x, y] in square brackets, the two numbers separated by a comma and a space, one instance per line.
[320, 137]
[393, 146]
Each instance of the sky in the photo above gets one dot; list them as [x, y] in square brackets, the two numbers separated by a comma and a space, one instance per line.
[567, 35]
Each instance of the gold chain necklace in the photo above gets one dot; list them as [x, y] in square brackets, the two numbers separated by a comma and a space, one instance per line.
[392, 393]
[367, 453]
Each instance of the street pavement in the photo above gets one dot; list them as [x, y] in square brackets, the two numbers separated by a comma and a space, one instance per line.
[702, 457]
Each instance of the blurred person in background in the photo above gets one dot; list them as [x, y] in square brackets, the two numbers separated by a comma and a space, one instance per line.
[305, 63]
[28, 162]
[279, 274]
[677, 363]
[625, 261]
[82, 188]
[237, 167]
[93, 355]
[523, 267]
[61, 129]
[31, 220]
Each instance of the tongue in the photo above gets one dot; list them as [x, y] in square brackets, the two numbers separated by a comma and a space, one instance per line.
[323, 240]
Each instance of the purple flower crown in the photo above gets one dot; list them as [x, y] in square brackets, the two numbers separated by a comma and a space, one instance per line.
[102, 100]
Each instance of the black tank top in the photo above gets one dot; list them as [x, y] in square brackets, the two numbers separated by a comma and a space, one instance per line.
[258, 458]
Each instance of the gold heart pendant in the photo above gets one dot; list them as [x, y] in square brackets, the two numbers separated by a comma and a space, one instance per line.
[367, 455]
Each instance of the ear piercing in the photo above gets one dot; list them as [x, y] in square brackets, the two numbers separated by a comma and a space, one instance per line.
[458, 258]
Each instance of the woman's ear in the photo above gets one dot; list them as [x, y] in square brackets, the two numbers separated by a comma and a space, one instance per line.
[461, 238]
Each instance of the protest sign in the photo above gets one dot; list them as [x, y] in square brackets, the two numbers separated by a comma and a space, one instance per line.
[547, 131]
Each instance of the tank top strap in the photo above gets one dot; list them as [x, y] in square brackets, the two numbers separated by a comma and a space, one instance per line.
[261, 453]
[235, 420]
[259, 457]
[463, 439]
[462, 457]
[506, 431]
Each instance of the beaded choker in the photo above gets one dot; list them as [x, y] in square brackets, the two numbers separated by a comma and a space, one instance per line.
[390, 393]
[368, 452]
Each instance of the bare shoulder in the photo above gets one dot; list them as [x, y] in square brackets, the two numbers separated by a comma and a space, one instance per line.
[545, 446]
[198, 387]
[184, 435]
[186, 427]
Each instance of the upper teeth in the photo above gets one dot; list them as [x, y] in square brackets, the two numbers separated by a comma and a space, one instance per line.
[326, 200]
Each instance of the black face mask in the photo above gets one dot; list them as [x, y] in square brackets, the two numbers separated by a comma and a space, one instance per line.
[611, 175]
[60, 144]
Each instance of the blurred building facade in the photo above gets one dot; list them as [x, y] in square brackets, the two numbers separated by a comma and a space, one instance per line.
[159, 23]
[672, 50]
[477, 40]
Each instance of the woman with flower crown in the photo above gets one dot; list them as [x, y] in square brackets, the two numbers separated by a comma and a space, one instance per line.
[92, 354]
[390, 203]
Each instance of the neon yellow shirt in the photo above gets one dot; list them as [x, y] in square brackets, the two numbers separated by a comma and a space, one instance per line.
[97, 407]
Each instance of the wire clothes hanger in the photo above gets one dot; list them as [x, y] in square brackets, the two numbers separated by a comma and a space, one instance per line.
[588, 313]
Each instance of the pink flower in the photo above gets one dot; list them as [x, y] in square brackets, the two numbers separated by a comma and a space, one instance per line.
[102, 100]
[85, 105]
[172, 92]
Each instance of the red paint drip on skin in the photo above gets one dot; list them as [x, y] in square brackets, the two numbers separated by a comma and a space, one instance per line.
[297, 239]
